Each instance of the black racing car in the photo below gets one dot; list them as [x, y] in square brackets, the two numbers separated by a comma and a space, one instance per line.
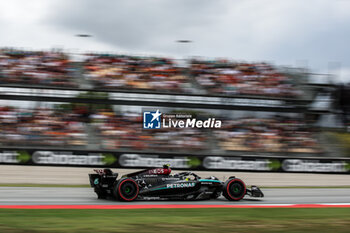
[157, 183]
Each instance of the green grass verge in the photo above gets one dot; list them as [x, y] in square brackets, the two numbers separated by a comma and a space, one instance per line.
[176, 220]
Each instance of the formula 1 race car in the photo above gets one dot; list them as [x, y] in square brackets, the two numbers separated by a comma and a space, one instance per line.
[158, 184]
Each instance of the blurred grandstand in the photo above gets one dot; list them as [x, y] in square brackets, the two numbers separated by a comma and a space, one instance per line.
[108, 129]
[42, 68]
[138, 73]
[237, 78]
[113, 127]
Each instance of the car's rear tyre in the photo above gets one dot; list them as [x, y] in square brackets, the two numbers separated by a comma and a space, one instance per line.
[126, 189]
[234, 189]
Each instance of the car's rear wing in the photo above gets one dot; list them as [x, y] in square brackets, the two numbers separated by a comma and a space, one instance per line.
[102, 176]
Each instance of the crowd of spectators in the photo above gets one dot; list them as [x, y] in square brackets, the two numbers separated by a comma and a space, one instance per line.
[47, 68]
[222, 77]
[141, 73]
[276, 134]
[40, 127]
[153, 74]
[124, 131]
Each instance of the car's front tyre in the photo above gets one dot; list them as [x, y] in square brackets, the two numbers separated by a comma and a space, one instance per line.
[234, 189]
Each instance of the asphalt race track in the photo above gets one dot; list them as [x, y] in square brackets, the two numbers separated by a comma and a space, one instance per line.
[86, 196]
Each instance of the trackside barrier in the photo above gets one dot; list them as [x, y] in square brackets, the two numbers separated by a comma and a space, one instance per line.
[236, 162]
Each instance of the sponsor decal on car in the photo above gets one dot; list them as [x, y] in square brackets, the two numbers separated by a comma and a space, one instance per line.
[170, 178]
[181, 185]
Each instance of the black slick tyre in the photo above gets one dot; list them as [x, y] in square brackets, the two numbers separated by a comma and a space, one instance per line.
[234, 189]
[126, 189]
